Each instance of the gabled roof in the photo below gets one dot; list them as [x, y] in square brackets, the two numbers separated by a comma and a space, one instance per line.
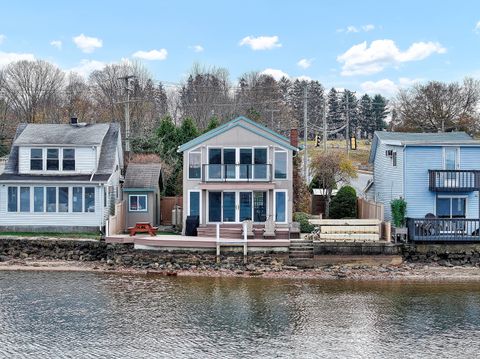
[420, 139]
[142, 175]
[62, 134]
[238, 122]
[108, 145]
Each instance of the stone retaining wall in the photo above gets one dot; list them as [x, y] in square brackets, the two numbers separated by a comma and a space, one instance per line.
[443, 254]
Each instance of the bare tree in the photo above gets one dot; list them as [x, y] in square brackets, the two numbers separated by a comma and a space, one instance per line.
[32, 88]
[437, 106]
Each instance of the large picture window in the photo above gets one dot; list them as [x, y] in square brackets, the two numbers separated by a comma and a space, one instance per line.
[451, 207]
[52, 159]
[195, 164]
[68, 161]
[280, 164]
[36, 159]
[137, 203]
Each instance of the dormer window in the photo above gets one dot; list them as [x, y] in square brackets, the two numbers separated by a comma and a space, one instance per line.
[36, 159]
[68, 162]
[52, 159]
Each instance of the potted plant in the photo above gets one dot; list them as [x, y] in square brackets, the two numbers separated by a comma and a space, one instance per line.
[399, 211]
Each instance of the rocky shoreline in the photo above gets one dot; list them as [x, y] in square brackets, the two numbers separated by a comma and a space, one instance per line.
[95, 256]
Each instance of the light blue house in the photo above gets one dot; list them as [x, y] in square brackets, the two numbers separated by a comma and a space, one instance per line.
[438, 174]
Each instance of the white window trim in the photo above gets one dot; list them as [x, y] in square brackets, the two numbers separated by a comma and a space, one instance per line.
[45, 157]
[197, 150]
[275, 150]
[199, 203]
[457, 157]
[275, 205]
[30, 159]
[130, 202]
[452, 196]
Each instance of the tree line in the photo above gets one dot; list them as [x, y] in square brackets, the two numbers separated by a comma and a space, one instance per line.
[40, 92]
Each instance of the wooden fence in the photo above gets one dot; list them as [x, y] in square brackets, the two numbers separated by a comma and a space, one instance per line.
[166, 207]
[116, 223]
[369, 210]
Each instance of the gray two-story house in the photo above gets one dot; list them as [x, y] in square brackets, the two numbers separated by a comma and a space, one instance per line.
[61, 177]
[236, 172]
[438, 175]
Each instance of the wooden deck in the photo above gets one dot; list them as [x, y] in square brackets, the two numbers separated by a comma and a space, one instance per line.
[178, 241]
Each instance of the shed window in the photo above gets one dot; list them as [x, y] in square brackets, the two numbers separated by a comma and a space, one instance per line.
[137, 203]
[12, 199]
[68, 162]
[52, 159]
[194, 164]
[36, 159]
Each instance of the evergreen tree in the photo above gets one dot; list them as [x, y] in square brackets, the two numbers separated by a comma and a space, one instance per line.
[212, 124]
[187, 131]
[366, 122]
[352, 110]
[334, 119]
[379, 112]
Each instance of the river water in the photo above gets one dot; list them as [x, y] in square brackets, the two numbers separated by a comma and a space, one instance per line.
[89, 315]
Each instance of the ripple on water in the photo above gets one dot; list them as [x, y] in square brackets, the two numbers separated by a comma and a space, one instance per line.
[88, 315]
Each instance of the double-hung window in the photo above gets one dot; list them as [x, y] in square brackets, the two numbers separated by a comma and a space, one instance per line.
[280, 163]
[36, 159]
[68, 161]
[195, 164]
[52, 159]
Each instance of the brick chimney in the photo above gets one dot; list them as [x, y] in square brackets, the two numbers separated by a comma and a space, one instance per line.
[294, 137]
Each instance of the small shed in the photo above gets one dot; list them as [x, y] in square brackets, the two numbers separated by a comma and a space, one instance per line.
[142, 193]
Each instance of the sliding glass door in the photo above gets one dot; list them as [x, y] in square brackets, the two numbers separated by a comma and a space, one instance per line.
[237, 206]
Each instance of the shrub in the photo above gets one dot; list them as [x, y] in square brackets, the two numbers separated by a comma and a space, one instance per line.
[344, 204]
[399, 212]
[302, 218]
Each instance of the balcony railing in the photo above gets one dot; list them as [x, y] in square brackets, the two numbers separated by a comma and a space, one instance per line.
[236, 172]
[443, 229]
[454, 180]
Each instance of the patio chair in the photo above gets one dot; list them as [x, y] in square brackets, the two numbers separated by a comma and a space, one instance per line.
[269, 231]
[249, 225]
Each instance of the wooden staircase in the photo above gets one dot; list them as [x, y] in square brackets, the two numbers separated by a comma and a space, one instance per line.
[301, 249]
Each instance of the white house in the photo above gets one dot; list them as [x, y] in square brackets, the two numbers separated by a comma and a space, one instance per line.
[61, 177]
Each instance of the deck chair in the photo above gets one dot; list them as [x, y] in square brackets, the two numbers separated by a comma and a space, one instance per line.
[249, 224]
[269, 231]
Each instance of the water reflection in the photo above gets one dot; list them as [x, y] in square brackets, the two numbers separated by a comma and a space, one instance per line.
[68, 315]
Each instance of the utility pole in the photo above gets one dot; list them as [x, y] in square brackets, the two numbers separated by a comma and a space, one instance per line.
[127, 111]
[325, 132]
[305, 137]
[347, 130]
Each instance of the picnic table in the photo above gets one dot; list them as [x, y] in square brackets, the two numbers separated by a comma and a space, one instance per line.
[143, 227]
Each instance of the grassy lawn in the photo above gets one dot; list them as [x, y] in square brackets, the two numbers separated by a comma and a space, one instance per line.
[52, 234]
[359, 156]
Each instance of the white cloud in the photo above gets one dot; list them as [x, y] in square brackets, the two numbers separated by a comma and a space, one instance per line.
[87, 44]
[304, 78]
[305, 63]
[197, 48]
[351, 28]
[275, 73]
[363, 60]
[386, 86]
[261, 42]
[56, 43]
[86, 67]
[8, 57]
[152, 54]
[476, 29]
[368, 27]
[2, 38]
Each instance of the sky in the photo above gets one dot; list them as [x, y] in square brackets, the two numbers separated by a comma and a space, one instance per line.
[365, 46]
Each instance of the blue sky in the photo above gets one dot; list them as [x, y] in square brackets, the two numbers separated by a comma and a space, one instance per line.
[367, 46]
